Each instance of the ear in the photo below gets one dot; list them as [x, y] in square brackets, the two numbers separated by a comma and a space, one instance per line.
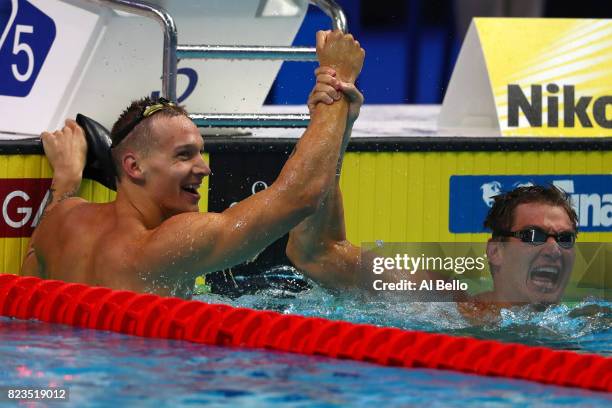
[494, 254]
[131, 166]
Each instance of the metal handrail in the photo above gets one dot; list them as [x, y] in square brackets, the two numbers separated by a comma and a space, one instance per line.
[266, 52]
[334, 11]
[251, 120]
[172, 51]
[254, 52]
[160, 15]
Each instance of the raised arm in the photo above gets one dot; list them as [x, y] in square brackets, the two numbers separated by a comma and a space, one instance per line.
[66, 151]
[217, 241]
[318, 245]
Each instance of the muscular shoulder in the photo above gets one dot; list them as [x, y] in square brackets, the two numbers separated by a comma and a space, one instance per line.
[71, 209]
[62, 207]
[62, 239]
[66, 218]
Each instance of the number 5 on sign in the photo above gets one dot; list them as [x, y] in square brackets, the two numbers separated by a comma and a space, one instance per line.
[26, 38]
[23, 47]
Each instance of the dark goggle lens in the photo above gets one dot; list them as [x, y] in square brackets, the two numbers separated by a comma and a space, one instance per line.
[538, 237]
[566, 239]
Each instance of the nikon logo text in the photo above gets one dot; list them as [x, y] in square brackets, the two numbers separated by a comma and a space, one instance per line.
[573, 108]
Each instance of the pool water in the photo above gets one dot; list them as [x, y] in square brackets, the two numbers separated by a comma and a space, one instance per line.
[584, 326]
[103, 368]
[109, 369]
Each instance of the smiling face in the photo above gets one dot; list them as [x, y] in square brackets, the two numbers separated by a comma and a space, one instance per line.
[174, 169]
[527, 273]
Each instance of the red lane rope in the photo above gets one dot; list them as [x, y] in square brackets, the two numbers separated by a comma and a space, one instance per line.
[155, 316]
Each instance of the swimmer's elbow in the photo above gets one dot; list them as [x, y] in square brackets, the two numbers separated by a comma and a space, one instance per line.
[302, 203]
[323, 265]
[312, 197]
[305, 255]
[302, 261]
[309, 205]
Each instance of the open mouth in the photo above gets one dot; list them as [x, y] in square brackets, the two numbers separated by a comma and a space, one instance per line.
[191, 189]
[545, 278]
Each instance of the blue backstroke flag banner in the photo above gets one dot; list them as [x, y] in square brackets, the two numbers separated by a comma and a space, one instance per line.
[471, 198]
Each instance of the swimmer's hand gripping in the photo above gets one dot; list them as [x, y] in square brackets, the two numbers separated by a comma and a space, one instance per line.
[99, 166]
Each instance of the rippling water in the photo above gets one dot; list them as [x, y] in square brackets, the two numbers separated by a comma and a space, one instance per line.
[109, 369]
[584, 326]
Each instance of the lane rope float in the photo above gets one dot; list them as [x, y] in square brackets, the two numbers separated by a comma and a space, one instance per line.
[190, 320]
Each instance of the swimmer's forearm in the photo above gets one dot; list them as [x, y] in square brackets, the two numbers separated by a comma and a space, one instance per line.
[327, 224]
[310, 171]
[319, 232]
[345, 141]
[318, 245]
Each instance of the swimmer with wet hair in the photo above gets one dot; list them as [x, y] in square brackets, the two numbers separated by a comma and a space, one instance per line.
[538, 222]
[152, 237]
[531, 251]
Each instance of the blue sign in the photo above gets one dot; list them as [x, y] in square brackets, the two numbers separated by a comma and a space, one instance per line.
[471, 198]
[26, 36]
[192, 81]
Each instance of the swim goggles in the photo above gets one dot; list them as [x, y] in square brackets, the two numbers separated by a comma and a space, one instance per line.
[537, 236]
[148, 111]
